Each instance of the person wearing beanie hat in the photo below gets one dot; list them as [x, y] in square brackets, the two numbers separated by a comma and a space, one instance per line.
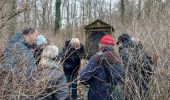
[41, 43]
[137, 64]
[104, 72]
[107, 42]
[40, 40]
[125, 40]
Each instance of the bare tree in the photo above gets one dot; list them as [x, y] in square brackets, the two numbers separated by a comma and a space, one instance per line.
[27, 14]
[35, 13]
[57, 15]
[82, 13]
[89, 10]
[68, 14]
[49, 13]
[148, 4]
[122, 10]
[9, 14]
[44, 13]
[139, 8]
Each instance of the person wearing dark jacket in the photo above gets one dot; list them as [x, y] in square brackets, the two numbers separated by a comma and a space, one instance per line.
[41, 43]
[138, 65]
[71, 58]
[104, 73]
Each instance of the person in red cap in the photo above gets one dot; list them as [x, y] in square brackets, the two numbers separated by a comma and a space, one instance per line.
[106, 42]
[104, 73]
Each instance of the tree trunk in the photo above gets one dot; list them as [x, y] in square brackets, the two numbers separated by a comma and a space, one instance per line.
[57, 16]
[48, 16]
[83, 8]
[110, 8]
[89, 10]
[27, 13]
[35, 13]
[139, 8]
[122, 10]
[148, 8]
[44, 13]
[11, 10]
[68, 15]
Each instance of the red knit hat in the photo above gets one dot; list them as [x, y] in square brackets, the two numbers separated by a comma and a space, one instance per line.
[108, 40]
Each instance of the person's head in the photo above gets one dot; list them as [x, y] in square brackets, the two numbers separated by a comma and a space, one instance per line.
[75, 43]
[107, 42]
[30, 35]
[125, 40]
[50, 51]
[41, 41]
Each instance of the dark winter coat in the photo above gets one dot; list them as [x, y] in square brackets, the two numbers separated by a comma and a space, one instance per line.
[137, 62]
[71, 58]
[37, 55]
[94, 75]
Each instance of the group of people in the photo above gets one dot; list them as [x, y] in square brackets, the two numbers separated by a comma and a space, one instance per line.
[110, 76]
[123, 76]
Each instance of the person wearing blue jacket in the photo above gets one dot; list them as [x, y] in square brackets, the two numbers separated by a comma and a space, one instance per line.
[19, 52]
[104, 73]
[19, 62]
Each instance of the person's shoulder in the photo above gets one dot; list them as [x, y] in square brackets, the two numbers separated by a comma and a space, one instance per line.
[81, 45]
[56, 74]
[97, 57]
[20, 45]
[67, 43]
[21, 48]
[16, 45]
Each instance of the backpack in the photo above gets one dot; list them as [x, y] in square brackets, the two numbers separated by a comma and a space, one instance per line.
[105, 63]
[114, 71]
[116, 90]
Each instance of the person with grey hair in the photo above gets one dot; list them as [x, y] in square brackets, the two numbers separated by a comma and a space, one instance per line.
[57, 87]
[47, 56]
[71, 58]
